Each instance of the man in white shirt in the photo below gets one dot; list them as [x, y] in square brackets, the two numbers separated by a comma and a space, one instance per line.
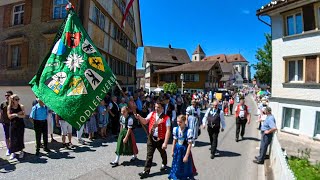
[213, 118]
[159, 134]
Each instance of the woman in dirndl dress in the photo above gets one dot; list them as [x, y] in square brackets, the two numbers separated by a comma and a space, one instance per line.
[182, 163]
[193, 115]
[126, 144]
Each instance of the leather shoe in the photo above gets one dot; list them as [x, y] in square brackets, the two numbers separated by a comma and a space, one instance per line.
[212, 156]
[257, 162]
[114, 164]
[144, 174]
[237, 140]
[163, 168]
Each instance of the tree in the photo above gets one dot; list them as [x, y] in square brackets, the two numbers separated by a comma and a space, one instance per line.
[170, 87]
[264, 66]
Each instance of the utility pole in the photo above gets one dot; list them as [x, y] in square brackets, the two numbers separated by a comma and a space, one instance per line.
[181, 78]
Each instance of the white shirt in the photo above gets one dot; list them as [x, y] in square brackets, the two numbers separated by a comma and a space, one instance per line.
[168, 123]
[191, 111]
[213, 112]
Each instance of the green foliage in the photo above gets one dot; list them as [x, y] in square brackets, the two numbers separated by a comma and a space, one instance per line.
[170, 87]
[302, 169]
[264, 66]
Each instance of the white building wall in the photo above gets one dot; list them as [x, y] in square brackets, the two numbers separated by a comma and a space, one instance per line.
[302, 44]
[307, 118]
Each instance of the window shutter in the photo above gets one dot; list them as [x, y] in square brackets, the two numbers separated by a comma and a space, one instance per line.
[308, 17]
[7, 16]
[46, 10]
[311, 69]
[27, 12]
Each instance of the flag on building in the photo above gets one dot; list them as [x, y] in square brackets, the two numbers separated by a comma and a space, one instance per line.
[74, 77]
[128, 6]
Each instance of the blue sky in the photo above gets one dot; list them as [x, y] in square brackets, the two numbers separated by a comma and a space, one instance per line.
[220, 27]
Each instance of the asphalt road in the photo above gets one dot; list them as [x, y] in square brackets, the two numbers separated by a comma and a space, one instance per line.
[92, 161]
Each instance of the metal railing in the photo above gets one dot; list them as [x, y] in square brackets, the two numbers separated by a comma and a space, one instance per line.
[278, 162]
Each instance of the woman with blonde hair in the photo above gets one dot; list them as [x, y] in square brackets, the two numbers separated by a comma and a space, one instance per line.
[16, 114]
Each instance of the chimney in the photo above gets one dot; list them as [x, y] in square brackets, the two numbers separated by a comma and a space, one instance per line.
[170, 46]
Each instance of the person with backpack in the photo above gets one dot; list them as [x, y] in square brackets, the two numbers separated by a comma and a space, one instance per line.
[126, 144]
[242, 118]
[39, 114]
[214, 119]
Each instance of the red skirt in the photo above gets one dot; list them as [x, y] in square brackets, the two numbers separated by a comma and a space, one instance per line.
[134, 143]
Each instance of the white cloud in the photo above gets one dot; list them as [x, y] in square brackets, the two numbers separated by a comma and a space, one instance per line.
[245, 11]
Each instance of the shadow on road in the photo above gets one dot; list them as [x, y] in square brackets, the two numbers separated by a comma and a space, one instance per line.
[251, 139]
[202, 144]
[6, 167]
[227, 154]
[137, 163]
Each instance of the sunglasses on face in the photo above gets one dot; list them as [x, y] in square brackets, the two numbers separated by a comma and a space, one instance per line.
[7, 95]
[16, 99]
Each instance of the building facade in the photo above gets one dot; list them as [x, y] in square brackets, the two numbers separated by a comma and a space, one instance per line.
[28, 29]
[197, 76]
[156, 58]
[295, 65]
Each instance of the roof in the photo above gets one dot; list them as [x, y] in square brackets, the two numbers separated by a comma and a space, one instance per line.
[226, 67]
[140, 72]
[274, 4]
[226, 58]
[168, 55]
[198, 50]
[196, 66]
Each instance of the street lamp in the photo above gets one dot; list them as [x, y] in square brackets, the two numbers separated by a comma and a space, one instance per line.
[181, 78]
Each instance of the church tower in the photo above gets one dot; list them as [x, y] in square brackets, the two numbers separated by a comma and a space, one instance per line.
[198, 54]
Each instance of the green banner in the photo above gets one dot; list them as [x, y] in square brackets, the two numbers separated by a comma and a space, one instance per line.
[74, 77]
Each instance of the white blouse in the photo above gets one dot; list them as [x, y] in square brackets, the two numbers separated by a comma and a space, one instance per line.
[180, 134]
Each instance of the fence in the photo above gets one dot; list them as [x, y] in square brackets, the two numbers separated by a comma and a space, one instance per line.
[278, 163]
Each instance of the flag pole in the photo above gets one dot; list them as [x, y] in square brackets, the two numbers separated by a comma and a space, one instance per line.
[118, 85]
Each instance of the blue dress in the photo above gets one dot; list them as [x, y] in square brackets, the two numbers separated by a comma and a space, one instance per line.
[179, 169]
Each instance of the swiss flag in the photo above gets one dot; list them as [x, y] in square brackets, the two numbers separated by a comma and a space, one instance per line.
[128, 6]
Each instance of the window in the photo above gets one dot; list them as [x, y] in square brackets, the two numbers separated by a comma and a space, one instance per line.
[15, 56]
[98, 17]
[174, 58]
[168, 77]
[318, 16]
[294, 24]
[191, 77]
[59, 9]
[317, 125]
[195, 57]
[295, 70]
[291, 118]
[18, 13]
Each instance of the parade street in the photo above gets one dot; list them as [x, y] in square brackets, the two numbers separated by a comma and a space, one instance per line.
[92, 161]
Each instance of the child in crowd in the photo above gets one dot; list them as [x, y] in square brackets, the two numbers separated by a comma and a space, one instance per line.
[182, 163]
[91, 126]
[103, 119]
[126, 144]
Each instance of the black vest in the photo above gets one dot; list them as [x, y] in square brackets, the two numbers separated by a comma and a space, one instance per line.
[214, 120]
[115, 109]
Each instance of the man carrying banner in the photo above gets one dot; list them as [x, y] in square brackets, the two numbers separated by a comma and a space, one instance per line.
[159, 134]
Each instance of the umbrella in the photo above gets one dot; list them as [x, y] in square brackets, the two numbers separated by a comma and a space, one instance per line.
[158, 90]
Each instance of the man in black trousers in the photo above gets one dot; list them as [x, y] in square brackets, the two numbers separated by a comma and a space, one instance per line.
[213, 118]
[114, 112]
